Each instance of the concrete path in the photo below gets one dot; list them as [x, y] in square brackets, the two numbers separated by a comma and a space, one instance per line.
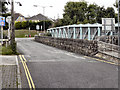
[9, 72]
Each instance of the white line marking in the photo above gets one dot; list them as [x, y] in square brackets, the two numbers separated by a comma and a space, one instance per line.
[71, 54]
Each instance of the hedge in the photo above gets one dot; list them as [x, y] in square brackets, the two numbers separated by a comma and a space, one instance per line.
[32, 25]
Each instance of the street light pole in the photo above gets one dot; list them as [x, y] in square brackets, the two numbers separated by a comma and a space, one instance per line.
[44, 18]
[43, 14]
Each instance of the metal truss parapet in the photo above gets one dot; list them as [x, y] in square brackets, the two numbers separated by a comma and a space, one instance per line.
[81, 31]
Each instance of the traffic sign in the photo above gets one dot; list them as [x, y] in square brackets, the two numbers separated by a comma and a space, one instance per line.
[8, 19]
[2, 21]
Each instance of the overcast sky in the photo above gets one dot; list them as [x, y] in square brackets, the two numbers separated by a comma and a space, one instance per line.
[53, 12]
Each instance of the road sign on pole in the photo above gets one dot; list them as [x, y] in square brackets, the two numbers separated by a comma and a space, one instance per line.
[2, 21]
[8, 20]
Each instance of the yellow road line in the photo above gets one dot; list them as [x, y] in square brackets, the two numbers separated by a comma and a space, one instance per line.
[28, 75]
[24, 58]
[25, 72]
[101, 60]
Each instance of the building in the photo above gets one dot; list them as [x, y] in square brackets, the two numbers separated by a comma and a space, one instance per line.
[37, 18]
[19, 17]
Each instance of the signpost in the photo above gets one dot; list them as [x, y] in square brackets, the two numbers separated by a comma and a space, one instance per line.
[2, 23]
[8, 20]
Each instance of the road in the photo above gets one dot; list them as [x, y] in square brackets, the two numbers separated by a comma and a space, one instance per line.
[54, 68]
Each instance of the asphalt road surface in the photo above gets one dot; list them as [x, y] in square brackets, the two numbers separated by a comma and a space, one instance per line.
[54, 68]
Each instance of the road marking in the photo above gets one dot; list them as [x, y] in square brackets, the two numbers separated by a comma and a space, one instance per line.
[67, 53]
[25, 71]
[29, 78]
[24, 58]
[72, 55]
[101, 60]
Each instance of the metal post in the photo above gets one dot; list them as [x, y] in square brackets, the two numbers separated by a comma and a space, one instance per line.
[81, 33]
[9, 32]
[99, 32]
[74, 33]
[89, 34]
[1, 34]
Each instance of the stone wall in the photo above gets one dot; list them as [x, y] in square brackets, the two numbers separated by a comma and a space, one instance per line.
[108, 39]
[103, 46]
[73, 45]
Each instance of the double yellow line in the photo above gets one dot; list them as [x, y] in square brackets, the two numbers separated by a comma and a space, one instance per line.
[101, 60]
[29, 78]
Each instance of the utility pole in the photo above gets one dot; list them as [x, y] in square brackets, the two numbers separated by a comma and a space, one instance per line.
[13, 44]
[118, 23]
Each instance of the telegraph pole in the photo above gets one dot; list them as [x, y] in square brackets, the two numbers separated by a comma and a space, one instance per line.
[118, 23]
[13, 44]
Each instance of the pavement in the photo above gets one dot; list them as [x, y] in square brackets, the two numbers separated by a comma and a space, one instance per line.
[50, 67]
[9, 72]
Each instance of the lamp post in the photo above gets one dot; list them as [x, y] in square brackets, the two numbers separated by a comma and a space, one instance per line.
[43, 14]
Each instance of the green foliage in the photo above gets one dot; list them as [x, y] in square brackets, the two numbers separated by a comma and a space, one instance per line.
[24, 25]
[3, 8]
[18, 25]
[82, 13]
[48, 34]
[32, 25]
[23, 33]
[7, 51]
[110, 12]
[75, 11]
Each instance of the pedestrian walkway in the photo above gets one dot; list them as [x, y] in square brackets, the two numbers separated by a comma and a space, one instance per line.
[9, 72]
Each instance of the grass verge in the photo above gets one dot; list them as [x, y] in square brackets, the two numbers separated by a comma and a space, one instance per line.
[7, 51]
[22, 33]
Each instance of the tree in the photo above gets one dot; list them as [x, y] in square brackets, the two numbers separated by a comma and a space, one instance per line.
[82, 13]
[75, 11]
[101, 12]
[3, 8]
[92, 11]
[110, 12]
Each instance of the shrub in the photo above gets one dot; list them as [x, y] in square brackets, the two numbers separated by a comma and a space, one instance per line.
[32, 25]
[18, 25]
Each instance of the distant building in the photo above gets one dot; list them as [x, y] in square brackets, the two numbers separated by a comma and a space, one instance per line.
[19, 17]
[37, 18]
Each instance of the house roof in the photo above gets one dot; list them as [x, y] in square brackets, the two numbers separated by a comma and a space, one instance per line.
[38, 17]
[17, 15]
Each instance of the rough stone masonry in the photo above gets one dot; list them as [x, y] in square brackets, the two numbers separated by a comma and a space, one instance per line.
[79, 46]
